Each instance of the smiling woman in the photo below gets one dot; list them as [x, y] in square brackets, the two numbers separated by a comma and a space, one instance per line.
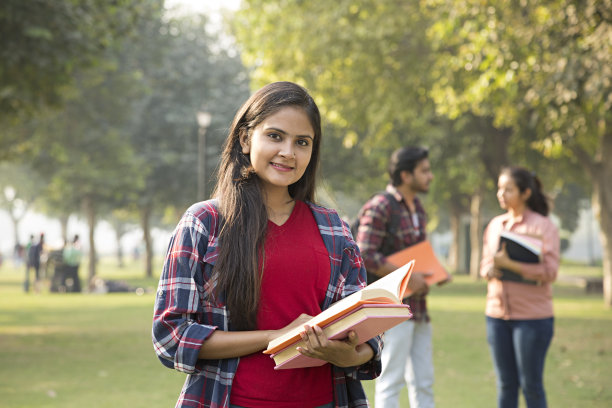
[280, 149]
[258, 260]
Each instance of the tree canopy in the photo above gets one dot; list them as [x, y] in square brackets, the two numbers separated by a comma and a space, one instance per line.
[42, 43]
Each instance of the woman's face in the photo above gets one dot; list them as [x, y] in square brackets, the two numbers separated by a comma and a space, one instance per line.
[509, 195]
[280, 147]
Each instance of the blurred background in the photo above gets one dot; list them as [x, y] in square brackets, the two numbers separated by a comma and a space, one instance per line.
[113, 115]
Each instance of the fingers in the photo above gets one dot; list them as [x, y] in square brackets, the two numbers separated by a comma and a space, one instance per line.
[313, 338]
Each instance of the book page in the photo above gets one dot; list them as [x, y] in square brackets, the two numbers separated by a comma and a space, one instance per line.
[396, 282]
[532, 243]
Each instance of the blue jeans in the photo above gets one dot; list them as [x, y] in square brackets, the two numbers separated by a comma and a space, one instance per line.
[518, 349]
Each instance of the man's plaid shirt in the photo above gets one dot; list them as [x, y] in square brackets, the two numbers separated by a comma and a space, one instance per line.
[373, 227]
[186, 313]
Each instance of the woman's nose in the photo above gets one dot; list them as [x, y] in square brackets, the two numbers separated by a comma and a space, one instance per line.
[287, 152]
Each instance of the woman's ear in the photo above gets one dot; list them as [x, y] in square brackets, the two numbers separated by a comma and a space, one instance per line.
[246, 148]
[244, 142]
[526, 194]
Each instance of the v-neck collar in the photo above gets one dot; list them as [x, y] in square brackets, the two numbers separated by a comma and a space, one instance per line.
[287, 221]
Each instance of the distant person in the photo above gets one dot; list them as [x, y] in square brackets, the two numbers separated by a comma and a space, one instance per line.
[31, 243]
[519, 315]
[389, 222]
[71, 256]
[18, 254]
[256, 261]
[34, 252]
[136, 253]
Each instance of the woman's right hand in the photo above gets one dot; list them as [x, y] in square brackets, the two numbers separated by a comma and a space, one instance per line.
[300, 321]
[493, 273]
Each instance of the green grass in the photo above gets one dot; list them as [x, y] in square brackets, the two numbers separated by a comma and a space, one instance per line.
[75, 350]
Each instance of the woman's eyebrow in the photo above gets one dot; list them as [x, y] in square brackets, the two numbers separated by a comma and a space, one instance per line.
[285, 133]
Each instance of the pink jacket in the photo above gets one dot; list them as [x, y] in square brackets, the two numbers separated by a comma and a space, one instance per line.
[519, 301]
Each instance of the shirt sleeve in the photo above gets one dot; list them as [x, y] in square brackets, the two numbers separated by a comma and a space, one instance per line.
[370, 235]
[487, 254]
[356, 279]
[546, 270]
[178, 332]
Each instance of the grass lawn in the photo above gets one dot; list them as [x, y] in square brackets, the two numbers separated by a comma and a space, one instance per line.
[75, 350]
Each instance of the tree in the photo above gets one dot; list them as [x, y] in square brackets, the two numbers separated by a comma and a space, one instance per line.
[573, 96]
[184, 71]
[552, 63]
[19, 189]
[83, 151]
[43, 43]
[372, 67]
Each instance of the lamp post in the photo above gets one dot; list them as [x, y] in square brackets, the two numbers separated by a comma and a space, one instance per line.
[204, 118]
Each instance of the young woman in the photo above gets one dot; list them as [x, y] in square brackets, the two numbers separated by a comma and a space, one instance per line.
[520, 315]
[256, 261]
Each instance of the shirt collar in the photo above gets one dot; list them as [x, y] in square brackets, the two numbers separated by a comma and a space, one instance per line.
[393, 191]
[520, 219]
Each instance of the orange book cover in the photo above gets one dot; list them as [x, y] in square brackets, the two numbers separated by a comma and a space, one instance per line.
[425, 262]
[367, 321]
[388, 290]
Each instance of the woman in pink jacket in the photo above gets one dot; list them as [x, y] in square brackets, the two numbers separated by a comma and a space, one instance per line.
[519, 312]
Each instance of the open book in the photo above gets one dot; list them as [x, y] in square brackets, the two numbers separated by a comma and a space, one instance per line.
[521, 248]
[369, 312]
[427, 262]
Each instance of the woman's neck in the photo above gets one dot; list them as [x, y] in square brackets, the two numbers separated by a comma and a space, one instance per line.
[517, 212]
[279, 205]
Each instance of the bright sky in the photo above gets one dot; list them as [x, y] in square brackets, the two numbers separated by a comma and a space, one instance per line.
[203, 5]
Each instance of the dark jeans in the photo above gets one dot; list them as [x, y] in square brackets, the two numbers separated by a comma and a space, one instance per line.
[518, 349]
[26, 282]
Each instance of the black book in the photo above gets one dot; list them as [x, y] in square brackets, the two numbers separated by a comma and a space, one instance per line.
[521, 248]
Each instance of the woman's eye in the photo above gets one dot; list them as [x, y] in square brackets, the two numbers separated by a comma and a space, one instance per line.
[303, 142]
[274, 136]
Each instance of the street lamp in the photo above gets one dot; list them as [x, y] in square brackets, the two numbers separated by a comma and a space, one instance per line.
[204, 118]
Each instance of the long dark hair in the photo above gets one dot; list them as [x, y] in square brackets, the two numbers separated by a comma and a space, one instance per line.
[525, 179]
[241, 203]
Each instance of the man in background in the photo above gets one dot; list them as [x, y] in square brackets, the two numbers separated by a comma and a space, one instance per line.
[389, 222]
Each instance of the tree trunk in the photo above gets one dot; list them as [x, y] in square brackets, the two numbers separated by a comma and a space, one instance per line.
[63, 219]
[600, 170]
[16, 221]
[602, 203]
[118, 235]
[475, 234]
[146, 236]
[90, 214]
[606, 244]
[453, 252]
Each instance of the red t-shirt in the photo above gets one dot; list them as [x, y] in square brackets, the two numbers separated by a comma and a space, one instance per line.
[295, 279]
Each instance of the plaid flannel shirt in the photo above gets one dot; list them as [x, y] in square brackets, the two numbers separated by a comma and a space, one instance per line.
[186, 313]
[373, 220]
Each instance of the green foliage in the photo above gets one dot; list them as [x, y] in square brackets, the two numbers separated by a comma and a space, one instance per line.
[43, 43]
[184, 71]
[362, 60]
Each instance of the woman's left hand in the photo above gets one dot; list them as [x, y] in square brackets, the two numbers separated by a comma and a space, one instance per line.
[501, 258]
[341, 353]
